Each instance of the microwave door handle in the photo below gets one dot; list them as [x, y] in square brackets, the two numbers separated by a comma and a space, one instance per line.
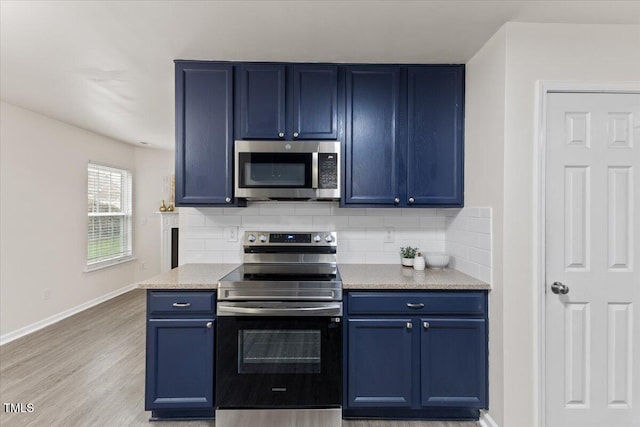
[314, 170]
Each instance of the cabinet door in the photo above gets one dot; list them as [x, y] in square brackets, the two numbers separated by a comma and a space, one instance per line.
[262, 101]
[180, 357]
[315, 101]
[372, 137]
[204, 133]
[379, 363]
[454, 362]
[435, 149]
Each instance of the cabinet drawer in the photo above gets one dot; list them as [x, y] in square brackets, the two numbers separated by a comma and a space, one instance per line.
[459, 302]
[181, 302]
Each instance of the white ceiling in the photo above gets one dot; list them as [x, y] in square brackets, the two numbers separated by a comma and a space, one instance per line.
[107, 66]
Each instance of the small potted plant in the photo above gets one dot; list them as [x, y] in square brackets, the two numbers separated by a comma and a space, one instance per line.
[408, 254]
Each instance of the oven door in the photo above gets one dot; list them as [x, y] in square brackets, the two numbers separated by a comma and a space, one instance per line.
[279, 362]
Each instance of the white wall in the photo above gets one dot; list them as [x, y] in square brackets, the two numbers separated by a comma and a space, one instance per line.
[484, 184]
[558, 52]
[152, 169]
[43, 165]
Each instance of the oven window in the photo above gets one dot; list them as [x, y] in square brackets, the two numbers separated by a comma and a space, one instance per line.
[273, 170]
[279, 351]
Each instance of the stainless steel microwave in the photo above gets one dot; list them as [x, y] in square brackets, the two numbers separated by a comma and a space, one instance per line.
[287, 170]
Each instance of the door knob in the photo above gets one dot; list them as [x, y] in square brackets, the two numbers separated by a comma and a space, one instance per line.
[411, 200]
[396, 200]
[295, 134]
[409, 325]
[559, 288]
[281, 134]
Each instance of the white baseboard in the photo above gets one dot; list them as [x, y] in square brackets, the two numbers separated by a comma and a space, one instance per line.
[486, 420]
[8, 337]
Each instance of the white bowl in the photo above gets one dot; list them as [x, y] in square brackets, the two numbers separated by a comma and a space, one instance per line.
[436, 260]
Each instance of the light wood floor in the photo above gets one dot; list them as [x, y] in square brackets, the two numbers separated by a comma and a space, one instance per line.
[88, 370]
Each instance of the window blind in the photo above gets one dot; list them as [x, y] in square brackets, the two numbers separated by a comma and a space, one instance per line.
[109, 233]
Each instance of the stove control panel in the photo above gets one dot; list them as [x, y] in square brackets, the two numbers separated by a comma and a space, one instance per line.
[267, 238]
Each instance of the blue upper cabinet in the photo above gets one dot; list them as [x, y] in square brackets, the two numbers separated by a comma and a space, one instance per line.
[262, 101]
[404, 136]
[372, 138]
[315, 101]
[204, 134]
[284, 101]
[435, 149]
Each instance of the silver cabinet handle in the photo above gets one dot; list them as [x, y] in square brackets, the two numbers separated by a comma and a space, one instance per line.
[414, 305]
[426, 325]
[559, 288]
[209, 325]
[227, 199]
[281, 134]
[396, 200]
[411, 200]
[409, 325]
[182, 304]
[295, 134]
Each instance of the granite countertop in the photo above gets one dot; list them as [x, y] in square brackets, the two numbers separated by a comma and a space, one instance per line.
[354, 276]
[394, 276]
[189, 276]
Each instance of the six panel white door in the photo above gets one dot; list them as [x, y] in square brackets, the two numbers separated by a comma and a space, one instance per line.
[592, 247]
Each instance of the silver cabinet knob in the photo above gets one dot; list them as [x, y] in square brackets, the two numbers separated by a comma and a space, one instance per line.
[227, 199]
[182, 304]
[409, 325]
[559, 288]
[396, 200]
[281, 134]
[426, 325]
[209, 325]
[295, 134]
[411, 200]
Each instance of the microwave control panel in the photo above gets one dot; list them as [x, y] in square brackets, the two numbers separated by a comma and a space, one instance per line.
[327, 170]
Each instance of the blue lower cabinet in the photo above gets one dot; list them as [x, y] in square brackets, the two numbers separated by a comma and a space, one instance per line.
[180, 367]
[379, 363]
[416, 355]
[453, 362]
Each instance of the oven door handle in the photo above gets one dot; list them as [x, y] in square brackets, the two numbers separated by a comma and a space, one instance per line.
[328, 309]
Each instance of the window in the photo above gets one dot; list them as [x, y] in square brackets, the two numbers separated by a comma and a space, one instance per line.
[109, 232]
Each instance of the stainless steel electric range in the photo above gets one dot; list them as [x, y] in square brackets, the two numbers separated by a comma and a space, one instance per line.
[279, 335]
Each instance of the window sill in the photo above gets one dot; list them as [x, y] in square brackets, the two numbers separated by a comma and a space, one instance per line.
[109, 263]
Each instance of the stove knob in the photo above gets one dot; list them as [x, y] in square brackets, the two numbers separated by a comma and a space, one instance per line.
[263, 238]
[329, 238]
[317, 238]
[251, 238]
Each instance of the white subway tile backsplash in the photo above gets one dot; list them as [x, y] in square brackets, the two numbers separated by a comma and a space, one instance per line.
[362, 232]
[484, 273]
[220, 220]
[480, 256]
[402, 221]
[484, 241]
[480, 225]
[196, 220]
[330, 222]
[366, 221]
[432, 222]
[313, 209]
